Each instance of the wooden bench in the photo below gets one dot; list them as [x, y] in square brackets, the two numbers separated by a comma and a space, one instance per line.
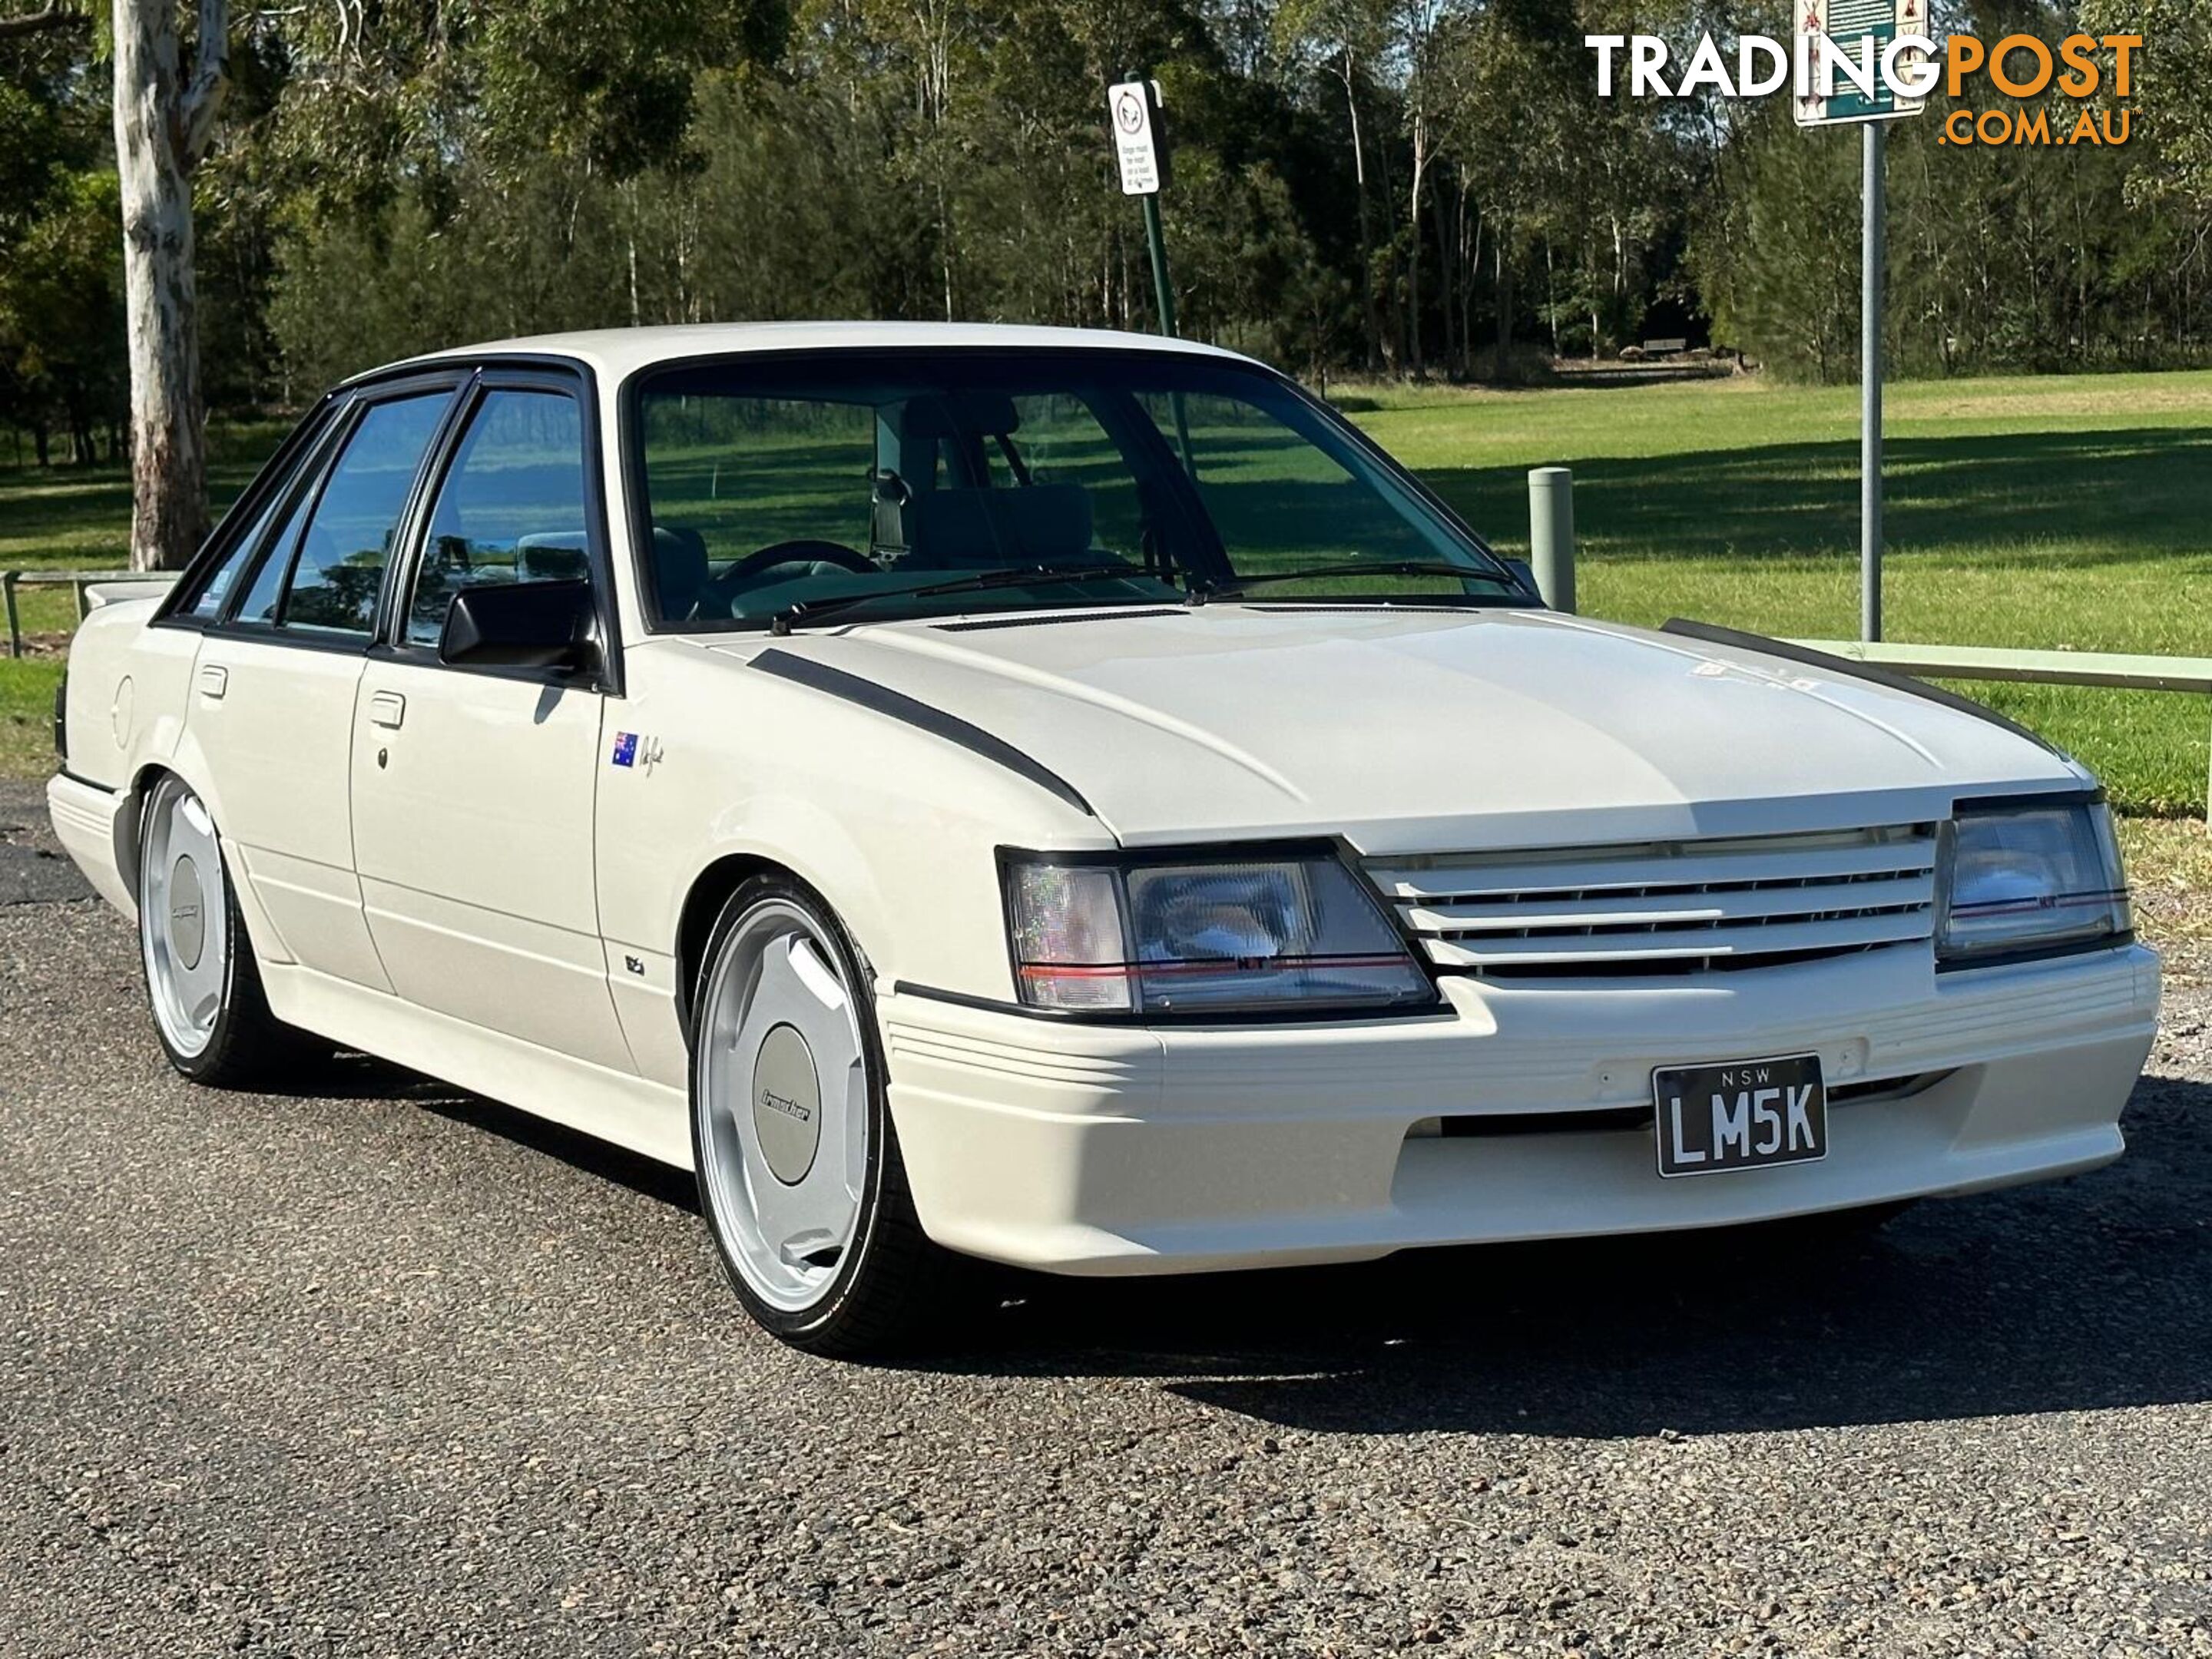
[2108, 668]
[78, 580]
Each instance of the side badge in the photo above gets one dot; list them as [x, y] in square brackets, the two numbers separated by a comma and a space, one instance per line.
[634, 964]
[636, 749]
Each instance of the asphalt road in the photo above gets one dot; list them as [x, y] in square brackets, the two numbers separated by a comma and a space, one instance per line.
[375, 1368]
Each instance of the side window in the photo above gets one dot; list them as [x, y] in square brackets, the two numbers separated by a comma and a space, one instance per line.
[216, 586]
[336, 562]
[262, 599]
[511, 509]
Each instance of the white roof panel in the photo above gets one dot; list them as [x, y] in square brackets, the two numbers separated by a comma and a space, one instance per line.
[616, 353]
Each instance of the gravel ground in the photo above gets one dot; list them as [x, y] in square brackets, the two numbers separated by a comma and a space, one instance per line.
[374, 1368]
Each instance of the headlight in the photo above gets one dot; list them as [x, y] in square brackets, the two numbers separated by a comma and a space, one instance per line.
[2023, 878]
[1203, 935]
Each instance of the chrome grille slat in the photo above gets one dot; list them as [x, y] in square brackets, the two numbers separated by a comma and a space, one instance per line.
[1676, 905]
[1597, 868]
[1683, 907]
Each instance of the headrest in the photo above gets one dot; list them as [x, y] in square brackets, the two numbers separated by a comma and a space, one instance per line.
[951, 414]
[551, 555]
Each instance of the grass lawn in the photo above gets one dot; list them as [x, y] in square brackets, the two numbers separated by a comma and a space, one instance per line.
[79, 518]
[2050, 512]
[2053, 511]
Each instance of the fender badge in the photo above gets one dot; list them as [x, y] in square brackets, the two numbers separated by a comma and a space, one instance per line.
[635, 749]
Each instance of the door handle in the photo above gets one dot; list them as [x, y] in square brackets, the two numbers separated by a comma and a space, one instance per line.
[387, 708]
[215, 680]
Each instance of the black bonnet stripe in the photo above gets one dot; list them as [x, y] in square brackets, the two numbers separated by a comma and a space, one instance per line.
[852, 687]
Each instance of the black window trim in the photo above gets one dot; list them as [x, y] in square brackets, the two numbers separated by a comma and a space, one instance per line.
[628, 436]
[565, 377]
[350, 403]
[292, 460]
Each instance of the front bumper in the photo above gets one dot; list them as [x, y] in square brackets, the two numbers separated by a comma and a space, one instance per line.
[1114, 1150]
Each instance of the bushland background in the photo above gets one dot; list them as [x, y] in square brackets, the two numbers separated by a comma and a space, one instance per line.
[1396, 188]
[1421, 204]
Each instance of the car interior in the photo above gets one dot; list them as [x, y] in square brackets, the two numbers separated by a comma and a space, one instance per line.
[950, 492]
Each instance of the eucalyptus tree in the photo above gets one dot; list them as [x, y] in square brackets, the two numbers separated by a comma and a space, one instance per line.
[167, 96]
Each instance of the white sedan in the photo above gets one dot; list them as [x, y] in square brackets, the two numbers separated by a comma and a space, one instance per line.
[1066, 798]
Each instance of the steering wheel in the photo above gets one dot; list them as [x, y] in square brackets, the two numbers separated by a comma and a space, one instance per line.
[803, 550]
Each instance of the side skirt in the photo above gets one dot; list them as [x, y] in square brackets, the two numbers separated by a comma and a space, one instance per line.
[646, 1118]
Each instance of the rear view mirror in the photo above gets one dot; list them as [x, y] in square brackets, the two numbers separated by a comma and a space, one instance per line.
[521, 625]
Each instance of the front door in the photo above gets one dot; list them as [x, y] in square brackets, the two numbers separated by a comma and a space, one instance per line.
[274, 687]
[473, 789]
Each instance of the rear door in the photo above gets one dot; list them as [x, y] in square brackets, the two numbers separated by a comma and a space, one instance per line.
[473, 789]
[272, 702]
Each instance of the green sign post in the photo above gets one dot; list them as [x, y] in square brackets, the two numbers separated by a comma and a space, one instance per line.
[1133, 107]
[1864, 31]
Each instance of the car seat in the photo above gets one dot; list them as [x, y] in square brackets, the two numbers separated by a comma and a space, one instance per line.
[679, 571]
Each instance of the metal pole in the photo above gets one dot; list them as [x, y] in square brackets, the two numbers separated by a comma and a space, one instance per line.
[1164, 291]
[1552, 534]
[1870, 393]
[1161, 290]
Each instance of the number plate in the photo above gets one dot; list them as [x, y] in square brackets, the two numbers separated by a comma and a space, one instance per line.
[1743, 1116]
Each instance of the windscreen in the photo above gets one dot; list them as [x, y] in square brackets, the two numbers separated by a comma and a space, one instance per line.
[918, 481]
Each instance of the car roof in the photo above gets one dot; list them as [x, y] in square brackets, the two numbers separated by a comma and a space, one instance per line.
[616, 353]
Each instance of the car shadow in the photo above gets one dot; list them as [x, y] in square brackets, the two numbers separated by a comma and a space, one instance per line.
[2078, 1295]
[349, 1075]
[2095, 1292]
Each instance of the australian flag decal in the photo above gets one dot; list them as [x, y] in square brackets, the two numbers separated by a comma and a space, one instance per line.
[625, 748]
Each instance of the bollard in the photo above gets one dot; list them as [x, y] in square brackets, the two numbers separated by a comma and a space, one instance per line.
[1552, 534]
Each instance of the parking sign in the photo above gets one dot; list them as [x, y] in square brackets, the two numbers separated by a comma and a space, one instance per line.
[1130, 105]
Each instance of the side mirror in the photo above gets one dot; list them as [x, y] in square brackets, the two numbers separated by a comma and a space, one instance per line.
[1527, 573]
[522, 625]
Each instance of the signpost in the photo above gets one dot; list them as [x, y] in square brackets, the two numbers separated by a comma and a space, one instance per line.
[1864, 29]
[1133, 105]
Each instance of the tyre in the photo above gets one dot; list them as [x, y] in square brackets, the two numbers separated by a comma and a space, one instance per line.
[800, 1174]
[201, 977]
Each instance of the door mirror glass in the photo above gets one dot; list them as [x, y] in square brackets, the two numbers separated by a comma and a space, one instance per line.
[522, 625]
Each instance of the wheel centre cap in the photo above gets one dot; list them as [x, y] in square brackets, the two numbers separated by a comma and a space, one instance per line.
[187, 915]
[787, 1104]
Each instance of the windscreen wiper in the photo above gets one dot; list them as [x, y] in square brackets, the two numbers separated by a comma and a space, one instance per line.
[1235, 585]
[1026, 575]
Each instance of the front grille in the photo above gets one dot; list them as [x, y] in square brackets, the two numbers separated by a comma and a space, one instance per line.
[1668, 907]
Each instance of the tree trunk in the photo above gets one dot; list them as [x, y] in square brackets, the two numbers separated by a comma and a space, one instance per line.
[162, 129]
[1445, 240]
[1413, 363]
[1504, 280]
[1366, 224]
